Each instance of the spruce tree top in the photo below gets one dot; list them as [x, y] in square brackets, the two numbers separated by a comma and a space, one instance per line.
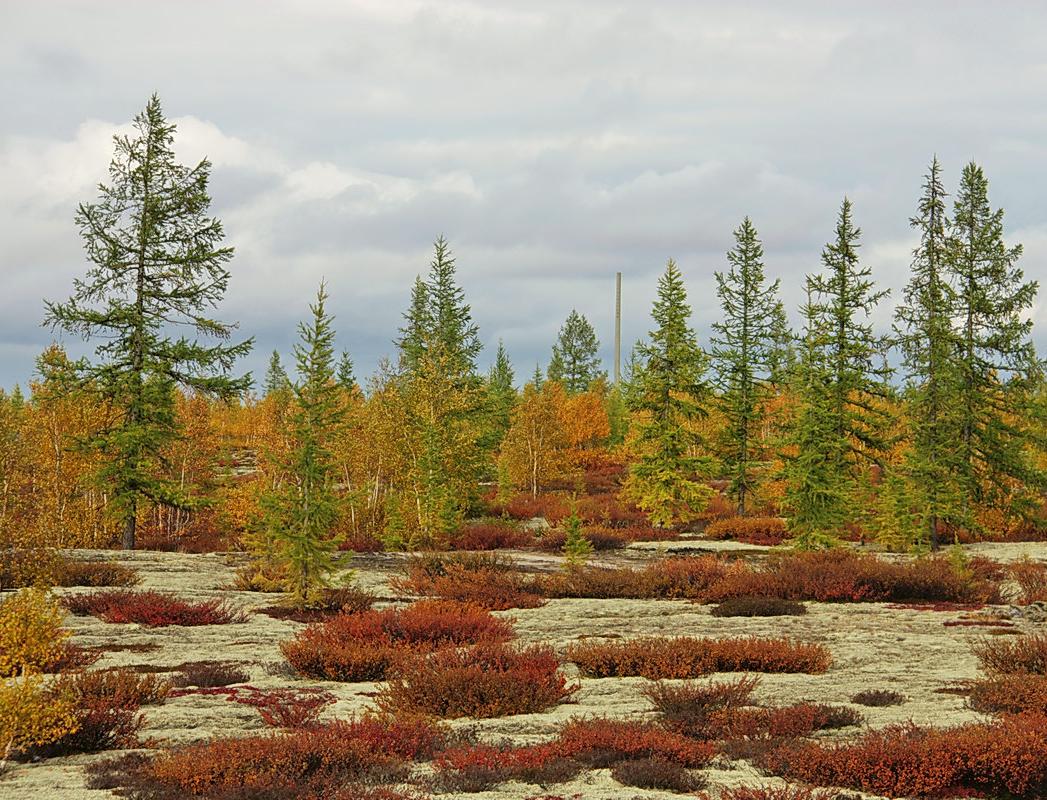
[575, 361]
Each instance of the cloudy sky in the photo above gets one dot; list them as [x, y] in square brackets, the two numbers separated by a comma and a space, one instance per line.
[553, 142]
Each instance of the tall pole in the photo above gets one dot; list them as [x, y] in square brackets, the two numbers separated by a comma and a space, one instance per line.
[617, 328]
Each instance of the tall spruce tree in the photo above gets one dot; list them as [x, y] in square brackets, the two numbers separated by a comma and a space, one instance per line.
[782, 355]
[501, 397]
[671, 394]
[924, 332]
[743, 347]
[300, 515]
[994, 351]
[575, 362]
[276, 379]
[157, 263]
[844, 386]
[345, 375]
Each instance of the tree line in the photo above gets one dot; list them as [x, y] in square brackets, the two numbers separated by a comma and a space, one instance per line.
[158, 430]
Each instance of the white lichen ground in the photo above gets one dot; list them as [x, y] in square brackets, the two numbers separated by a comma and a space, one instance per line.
[873, 647]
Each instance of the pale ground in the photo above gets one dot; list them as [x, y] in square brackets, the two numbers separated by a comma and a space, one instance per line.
[873, 647]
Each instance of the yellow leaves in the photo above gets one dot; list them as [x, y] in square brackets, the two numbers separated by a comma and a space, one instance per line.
[31, 633]
[535, 449]
[30, 716]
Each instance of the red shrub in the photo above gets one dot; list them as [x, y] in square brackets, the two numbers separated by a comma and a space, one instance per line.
[1031, 577]
[152, 609]
[489, 535]
[477, 768]
[687, 657]
[719, 507]
[523, 506]
[279, 708]
[664, 579]
[488, 680]
[488, 580]
[348, 600]
[607, 509]
[362, 647]
[769, 531]
[1009, 694]
[1027, 654]
[1005, 756]
[600, 538]
[601, 742]
[687, 707]
[646, 533]
[361, 542]
[776, 793]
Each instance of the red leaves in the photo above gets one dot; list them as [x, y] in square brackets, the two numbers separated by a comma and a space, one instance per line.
[768, 531]
[152, 609]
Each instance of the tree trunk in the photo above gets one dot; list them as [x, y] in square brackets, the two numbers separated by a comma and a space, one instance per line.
[129, 528]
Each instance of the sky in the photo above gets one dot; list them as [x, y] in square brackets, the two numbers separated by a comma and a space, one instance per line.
[553, 143]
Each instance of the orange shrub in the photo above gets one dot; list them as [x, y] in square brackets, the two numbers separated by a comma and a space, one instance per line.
[905, 760]
[488, 680]
[524, 506]
[776, 793]
[489, 535]
[1031, 577]
[687, 657]
[1009, 694]
[602, 742]
[656, 773]
[488, 580]
[152, 609]
[769, 531]
[94, 573]
[664, 579]
[1023, 655]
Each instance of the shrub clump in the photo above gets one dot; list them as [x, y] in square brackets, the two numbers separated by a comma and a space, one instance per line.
[759, 607]
[603, 742]
[329, 603]
[769, 531]
[656, 773]
[152, 609]
[1009, 694]
[1009, 755]
[1023, 655]
[30, 717]
[485, 579]
[488, 680]
[878, 698]
[490, 534]
[777, 793]
[362, 647]
[94, 573]
[209, 674]
[688, 657]
[31, 635]
[665, 579]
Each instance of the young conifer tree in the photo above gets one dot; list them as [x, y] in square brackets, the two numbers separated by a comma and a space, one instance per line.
[743, 347]
[671, 395]
[994, 355]
[157, 264]
[276, 379]
[501, 398]
[924, 331]
[345, 375]
[576, 355]
[300, 515]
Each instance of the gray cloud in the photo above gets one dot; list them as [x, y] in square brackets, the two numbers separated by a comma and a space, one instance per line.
[553, 142]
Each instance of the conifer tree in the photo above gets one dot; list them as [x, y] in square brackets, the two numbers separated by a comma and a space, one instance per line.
[782, 355]
[345, 376]
[300, 514]
[577, 548]
[843, 419]
[575, 362]
[157, 263]
[742, 350]
[994, 351]
[666, 479]
[538, 378]
[924, 332]
[276, 379]
[501, 397]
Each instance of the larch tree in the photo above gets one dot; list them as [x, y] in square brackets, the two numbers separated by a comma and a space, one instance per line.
[575, 361]
[157, 264]
[276, 379]
[844, 413]
[300, 515]
[743, 347]
[666, 480]
[994, 354]
[927, 340]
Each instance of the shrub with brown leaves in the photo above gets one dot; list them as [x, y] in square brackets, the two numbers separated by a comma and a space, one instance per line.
[209, 674]
[878, 698]
[769, 531]
[759, 607]
[330, 603]
[94, 573]
[1009, 694]
[152, 609]
[656, 773]
[486, 579]
[1023, 655]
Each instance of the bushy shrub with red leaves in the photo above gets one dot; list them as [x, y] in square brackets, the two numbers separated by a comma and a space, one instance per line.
[1007, 756]
[488, 680]
[362, 647]
[330, 603]
[688, 657]
[1031, 577]
[602, 742]
[769, 531]
[600, 538]
[279, 708]
[774, 793]
[551, 507]
[477, 768]
[152, 609]
[489, 580]
[608, 510]
[1023, 655]
[1009, 694]
[489, 535]
[664, 579]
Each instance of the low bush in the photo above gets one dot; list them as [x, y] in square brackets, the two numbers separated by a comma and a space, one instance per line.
[770, 531]
[664, 579]
[30, 717]
[655, 773]
[362, 647]
[878, 698]
[608, 510]
[489, 535]
[330, 603]
[279, 708]
[94, 573]
[602, 742]
[487, 680]
[1031, 577]
[550, 507]
[1024, 655]
[345, 760]
[687, 707]
[152, 609]
[1009, 694]
[209, 674]
[759, 607]
[688, 657]
[777, 793]
[261, 576]
[1007, 756]
[31, 635]
[599, 537]
[477, 768]
[486, 579]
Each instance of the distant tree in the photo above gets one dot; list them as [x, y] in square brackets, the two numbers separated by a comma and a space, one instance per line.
[782, 354]
[534, 451]
[924, 332]
[666, 479]
[577, 549]
[844, 387]
[743, 346]
[276, 379]
[345, 375]
[538, 378]
[157, 262]
[575, 362]
[995, 356]
[300, 515]
[501, 397]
